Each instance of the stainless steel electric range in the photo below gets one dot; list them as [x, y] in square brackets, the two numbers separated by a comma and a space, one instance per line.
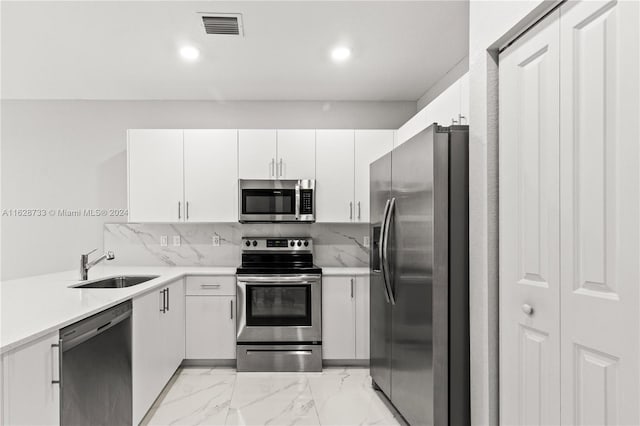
[279, 293]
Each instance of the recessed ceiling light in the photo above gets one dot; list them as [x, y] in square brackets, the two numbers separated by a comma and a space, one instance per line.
[189, 53]
[340, 54]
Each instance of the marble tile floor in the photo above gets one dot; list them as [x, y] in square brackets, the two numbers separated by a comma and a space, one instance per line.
[220, 396]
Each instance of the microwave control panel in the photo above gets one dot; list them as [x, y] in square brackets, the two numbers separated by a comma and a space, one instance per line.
[306, 201]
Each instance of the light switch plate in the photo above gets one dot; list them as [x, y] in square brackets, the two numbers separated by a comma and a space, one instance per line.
[215, 240]
[365, 241]
[176, 240]
[164, 241]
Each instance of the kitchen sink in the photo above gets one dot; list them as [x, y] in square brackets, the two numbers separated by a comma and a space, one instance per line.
[118, 282]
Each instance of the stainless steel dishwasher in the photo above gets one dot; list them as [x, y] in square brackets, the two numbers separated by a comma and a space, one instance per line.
[96, 369]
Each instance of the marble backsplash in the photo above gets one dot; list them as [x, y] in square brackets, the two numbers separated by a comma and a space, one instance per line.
[139, 243]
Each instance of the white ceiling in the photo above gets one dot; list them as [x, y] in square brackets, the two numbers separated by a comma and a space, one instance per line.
[129, 50]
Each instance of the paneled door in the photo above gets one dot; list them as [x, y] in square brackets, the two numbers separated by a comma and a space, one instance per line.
[529, 228]
[600, 217]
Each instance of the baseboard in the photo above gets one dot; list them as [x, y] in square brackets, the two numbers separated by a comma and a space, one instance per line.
[209, 363]
[345, 362]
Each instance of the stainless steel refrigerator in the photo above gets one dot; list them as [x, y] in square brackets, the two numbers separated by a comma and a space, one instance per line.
[420, 277]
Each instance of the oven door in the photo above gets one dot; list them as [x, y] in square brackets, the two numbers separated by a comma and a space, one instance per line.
[279, 308]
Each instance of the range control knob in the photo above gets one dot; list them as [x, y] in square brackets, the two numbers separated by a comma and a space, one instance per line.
[292, 243]
[306, 243]
[255, 243]
[299, 243]
[247, 243]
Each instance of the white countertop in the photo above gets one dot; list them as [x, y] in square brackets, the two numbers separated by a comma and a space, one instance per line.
[33, 307]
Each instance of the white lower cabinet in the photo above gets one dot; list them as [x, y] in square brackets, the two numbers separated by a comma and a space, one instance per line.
[345, 317]
[211, 327]
[29, 394]
[157, 343]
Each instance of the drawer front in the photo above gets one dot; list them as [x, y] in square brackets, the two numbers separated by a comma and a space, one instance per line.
[211, 286]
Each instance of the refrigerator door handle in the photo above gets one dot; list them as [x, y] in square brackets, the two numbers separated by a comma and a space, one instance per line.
[385, 252]
[381, 252]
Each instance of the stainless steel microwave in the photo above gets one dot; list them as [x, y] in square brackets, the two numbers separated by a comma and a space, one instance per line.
[277, 200]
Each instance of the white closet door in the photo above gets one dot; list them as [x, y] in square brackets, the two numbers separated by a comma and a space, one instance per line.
[529, 228]
[211, 175]
[600, 222]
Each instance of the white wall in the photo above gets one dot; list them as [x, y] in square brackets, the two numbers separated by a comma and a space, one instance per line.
[71, 154]
[491, 24]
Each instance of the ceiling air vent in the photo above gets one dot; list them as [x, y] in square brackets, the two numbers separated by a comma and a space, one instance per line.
[223, 24]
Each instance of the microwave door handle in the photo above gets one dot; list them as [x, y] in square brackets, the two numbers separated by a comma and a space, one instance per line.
[298, 201]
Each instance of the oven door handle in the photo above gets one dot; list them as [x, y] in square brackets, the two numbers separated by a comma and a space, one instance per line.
[279, 280]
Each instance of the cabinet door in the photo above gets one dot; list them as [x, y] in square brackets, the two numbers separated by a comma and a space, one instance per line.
[362, 317]
[334, 174]
[29, 396]
[369, 146]
[211, 327]
[147, 358]
[296, 154]
[338, 318]
[173, 329]
[155, 175]
[211, 175]
[257, 154]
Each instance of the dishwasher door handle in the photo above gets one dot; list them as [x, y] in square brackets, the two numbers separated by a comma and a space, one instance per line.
[57, 348]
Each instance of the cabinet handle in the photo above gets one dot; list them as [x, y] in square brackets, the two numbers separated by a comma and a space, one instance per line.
[280, 174]
[460, 117]
[350, 210]
[58, 349]
[272, 167]
[209, 285]
[167, 290]
[231, 311]
[187, 210]
[164, 302]
[179, 208]
[527, 309]
[358, 210]
[351, 288]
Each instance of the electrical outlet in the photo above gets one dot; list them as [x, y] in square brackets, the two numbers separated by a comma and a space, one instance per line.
[176, 240]
[215, 240]
[164, 241]
[365, 241]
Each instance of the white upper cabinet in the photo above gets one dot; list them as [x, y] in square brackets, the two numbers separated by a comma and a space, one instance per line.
[155, 175]
[369, 146]
[296, 154]
[334, 175]
[257, 154]
[211, 175]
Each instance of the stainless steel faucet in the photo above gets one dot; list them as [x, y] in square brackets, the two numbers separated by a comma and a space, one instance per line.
[85, 265]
